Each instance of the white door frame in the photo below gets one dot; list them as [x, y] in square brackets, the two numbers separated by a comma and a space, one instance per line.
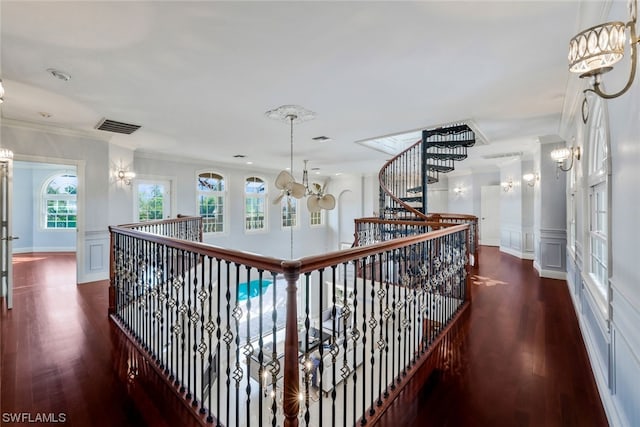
[6, 246]
[80, 200]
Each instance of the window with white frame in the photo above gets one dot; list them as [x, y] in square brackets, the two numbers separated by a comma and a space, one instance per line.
[153, 200]
[598, 202]
[211, 201]
[59, 200]
[255, 197]
[316, 218]
[289, 208]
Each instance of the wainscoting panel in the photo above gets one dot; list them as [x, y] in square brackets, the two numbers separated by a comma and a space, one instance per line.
[94, 257]
[552, 255]
[517, 242]
[625, 360]
[625, 368]
[596, 329]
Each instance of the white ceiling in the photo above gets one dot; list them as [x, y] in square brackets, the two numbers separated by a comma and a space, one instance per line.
[198, 76]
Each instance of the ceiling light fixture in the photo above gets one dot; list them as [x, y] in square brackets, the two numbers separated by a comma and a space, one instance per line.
[59, 74]
[595, 50]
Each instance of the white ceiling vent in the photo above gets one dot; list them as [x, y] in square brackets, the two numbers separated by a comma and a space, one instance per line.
[503, 155]
[117, 127]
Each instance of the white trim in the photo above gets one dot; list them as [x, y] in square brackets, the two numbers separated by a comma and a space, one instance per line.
[516, 253]
[489, 242]
[226, 222]
[80, 166]
[264, 196]
[44, 249]
[56, 130]
[553, 274]
[601, 382]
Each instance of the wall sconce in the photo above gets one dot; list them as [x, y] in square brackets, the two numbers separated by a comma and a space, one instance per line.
[125, 176]
[508, 185]
[5, 155]
[458, 191]
[559, 155]
[531, 178]
[595, 50]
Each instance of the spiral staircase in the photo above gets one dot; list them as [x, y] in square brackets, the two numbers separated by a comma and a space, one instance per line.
[404, 178]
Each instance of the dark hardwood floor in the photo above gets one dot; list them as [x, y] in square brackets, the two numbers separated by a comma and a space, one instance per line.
[518, 359]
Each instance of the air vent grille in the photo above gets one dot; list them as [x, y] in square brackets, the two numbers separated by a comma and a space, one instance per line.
[502, 155]
[117, 127]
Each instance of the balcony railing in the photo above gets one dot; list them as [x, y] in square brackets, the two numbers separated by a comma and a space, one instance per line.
[252, 340]
[374, 230]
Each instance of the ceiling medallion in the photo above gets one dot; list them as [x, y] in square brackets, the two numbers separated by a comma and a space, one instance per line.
[290, 114]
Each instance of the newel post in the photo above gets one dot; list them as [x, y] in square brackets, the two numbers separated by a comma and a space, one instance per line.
[290, 401]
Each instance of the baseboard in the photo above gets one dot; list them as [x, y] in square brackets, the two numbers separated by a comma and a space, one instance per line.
[553, 274]
[43, 249]
[517, 254]
[549, 274]
[93, 277]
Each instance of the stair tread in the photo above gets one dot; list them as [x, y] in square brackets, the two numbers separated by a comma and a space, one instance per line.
[452, 144]
[411, 199]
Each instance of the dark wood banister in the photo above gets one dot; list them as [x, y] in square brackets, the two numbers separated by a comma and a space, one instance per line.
[291, 269]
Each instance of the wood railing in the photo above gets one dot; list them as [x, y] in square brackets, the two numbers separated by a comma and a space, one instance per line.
[373, 230]
[248, 340]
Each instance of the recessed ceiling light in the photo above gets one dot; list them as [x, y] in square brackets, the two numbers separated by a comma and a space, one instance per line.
[59, 74]
[321, 138]
[249, 162]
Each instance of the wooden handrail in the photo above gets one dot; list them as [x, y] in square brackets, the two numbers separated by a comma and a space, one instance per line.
[292, 271]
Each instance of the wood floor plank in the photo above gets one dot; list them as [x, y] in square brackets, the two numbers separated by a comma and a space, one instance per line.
[517, 360]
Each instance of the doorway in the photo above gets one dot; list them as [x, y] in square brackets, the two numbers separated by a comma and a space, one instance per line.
[490, 215]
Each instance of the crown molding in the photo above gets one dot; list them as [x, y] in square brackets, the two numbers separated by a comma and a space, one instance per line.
[57, 130]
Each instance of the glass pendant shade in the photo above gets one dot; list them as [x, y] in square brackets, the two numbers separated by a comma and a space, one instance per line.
[559, 155]
[596, 49]
[5, 155]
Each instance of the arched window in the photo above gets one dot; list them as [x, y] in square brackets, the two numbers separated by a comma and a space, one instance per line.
[211, 201]
[316, 218]
[598, 199]
[289, 207]
[59, 201]
[255, 196]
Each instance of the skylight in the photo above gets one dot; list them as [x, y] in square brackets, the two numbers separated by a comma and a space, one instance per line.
[393, 144]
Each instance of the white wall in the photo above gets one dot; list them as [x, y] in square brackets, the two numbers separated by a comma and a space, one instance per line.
[104, 201]
[89, 155]
[613, 343]
[276, 241]
[516, 210]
